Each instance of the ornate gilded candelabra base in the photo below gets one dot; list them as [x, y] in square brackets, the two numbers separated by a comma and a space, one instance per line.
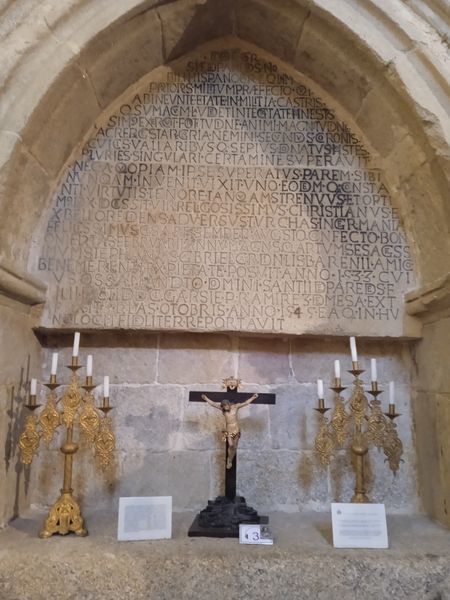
[64, 517]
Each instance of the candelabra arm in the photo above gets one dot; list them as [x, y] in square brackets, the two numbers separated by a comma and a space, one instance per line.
[29, 440]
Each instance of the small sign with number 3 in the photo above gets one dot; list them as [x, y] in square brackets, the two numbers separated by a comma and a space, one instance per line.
[255, 534]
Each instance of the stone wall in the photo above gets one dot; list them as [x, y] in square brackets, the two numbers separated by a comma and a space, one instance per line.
[169, 446]
[378, 59]
[431, 397]
[20, 356]
[217, 189]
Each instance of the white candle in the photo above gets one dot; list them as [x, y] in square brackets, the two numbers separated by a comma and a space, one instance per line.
[320, 388]
[106, 387]
[54, 363]
[353, 349]
[373, 369]
[89, 366]
[33, 387]
[76, 343]
[391, 392]
[337, 369]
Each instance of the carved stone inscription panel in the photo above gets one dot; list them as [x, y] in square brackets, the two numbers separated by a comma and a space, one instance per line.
[222, 194]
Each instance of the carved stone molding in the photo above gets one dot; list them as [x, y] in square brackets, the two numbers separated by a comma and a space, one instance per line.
[21, 286]
[429, 299]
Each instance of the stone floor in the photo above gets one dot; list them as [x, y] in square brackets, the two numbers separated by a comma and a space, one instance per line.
[302, 564]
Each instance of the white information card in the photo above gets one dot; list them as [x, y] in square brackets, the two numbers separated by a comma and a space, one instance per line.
[359, 525]
[145, 518]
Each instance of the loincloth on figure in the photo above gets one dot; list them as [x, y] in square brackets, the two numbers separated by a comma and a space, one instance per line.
[234, 435]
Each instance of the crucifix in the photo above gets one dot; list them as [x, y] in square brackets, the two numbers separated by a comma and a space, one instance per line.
[222, 516]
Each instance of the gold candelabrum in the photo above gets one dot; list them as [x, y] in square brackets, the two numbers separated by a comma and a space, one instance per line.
[364, 424]
[76, 408]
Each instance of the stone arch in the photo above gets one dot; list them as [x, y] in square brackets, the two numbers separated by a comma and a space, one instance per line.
[98, 163]
[392, 73]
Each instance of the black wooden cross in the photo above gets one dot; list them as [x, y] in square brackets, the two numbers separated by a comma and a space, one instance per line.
[234, 397]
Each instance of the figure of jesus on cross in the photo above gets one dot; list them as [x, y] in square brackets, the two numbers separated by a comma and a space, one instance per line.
[231, 433]
[222, 516]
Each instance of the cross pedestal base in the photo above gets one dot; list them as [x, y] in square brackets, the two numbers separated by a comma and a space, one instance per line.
[222, 516]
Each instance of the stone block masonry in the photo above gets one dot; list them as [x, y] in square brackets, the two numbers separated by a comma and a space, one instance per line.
[167, 445]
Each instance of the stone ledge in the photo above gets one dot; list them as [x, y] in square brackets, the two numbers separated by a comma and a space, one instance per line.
[301, 564]
[430, 298]
[21, 286]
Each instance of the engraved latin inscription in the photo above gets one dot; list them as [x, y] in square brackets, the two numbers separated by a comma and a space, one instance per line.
[225, 195]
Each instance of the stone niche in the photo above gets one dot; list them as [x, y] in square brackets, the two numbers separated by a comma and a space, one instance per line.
[222, 219]
[222, 193]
